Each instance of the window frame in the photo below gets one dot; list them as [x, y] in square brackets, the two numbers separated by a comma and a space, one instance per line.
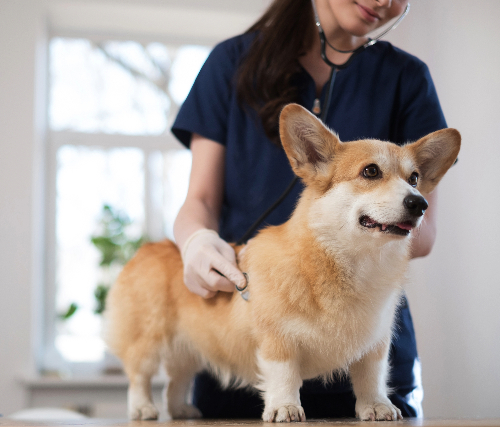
[143, 21]
[50, 360]
[149, 145]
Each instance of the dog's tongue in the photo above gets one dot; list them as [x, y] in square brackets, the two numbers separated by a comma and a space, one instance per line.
[404, 225]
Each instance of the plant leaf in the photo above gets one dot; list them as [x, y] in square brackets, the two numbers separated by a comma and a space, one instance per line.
[69, 312]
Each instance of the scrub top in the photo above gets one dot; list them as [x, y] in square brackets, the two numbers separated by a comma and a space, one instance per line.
[384, 93]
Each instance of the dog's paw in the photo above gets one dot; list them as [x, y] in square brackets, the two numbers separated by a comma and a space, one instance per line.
[378, 411]
[144, 412]
[284, 414]
[184, 412]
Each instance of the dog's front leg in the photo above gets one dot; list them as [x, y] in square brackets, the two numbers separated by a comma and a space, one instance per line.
[369, 382]
[280, 384]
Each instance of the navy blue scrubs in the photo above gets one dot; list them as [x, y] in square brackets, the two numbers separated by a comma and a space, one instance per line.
[384, 94]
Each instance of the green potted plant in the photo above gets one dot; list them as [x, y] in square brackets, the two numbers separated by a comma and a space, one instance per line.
[116, 248]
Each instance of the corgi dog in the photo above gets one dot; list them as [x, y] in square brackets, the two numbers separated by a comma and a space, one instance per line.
[323, 287]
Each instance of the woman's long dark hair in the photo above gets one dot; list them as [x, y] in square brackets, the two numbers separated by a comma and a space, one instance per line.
[265, 77]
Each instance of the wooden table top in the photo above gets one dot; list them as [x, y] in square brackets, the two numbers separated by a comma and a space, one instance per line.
[410, 422]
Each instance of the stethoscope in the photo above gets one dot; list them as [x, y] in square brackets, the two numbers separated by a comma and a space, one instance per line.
[370, 42]
[326, 103]
[354, 52]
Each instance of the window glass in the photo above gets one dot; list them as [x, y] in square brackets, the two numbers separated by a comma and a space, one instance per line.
[87, 180]
[119, 86]
[106, 194]
[188, 62]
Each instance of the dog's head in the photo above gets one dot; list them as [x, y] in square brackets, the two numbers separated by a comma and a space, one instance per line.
[365, 187]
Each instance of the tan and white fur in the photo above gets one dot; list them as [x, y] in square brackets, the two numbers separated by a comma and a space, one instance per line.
[324, 286]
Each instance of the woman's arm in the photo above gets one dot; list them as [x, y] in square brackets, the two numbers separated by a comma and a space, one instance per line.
[424, 239]
[203, 202]
[206, 256]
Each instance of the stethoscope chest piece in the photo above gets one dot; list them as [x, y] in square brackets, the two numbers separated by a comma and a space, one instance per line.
[244, 292]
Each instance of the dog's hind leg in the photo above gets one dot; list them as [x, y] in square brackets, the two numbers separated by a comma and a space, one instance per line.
[140, 371]
[181, 368]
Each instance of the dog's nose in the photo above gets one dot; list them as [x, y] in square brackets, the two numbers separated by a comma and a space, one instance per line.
[416, 205]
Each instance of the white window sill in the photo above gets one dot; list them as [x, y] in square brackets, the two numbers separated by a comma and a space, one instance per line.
[94, 396]
[90, 382]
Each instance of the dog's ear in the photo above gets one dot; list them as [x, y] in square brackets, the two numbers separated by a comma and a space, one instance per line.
[309, 145]
[435, 154]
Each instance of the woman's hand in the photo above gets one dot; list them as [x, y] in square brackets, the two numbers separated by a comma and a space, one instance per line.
[210, 264]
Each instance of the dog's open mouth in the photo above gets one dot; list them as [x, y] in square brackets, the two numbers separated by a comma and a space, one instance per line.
[400, 228]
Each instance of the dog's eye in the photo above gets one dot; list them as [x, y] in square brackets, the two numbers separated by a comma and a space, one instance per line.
[371, 171]
[413, 181]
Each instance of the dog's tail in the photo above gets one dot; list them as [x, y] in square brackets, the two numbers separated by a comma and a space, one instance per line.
[135, 315]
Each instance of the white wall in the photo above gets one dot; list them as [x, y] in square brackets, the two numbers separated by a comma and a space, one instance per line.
[21, 191]
[454, 293]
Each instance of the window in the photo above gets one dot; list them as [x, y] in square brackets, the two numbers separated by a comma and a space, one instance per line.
[115, 172]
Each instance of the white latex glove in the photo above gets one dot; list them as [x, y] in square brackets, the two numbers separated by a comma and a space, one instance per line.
[205, 255]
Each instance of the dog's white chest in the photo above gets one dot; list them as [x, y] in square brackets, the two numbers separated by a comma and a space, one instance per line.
[332, 343]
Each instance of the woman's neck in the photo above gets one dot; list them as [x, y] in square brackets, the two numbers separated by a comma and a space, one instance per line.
[316, 67]
[337, 37]
[335, 34]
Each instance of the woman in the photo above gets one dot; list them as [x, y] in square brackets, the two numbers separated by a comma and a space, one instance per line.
[230, 122]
